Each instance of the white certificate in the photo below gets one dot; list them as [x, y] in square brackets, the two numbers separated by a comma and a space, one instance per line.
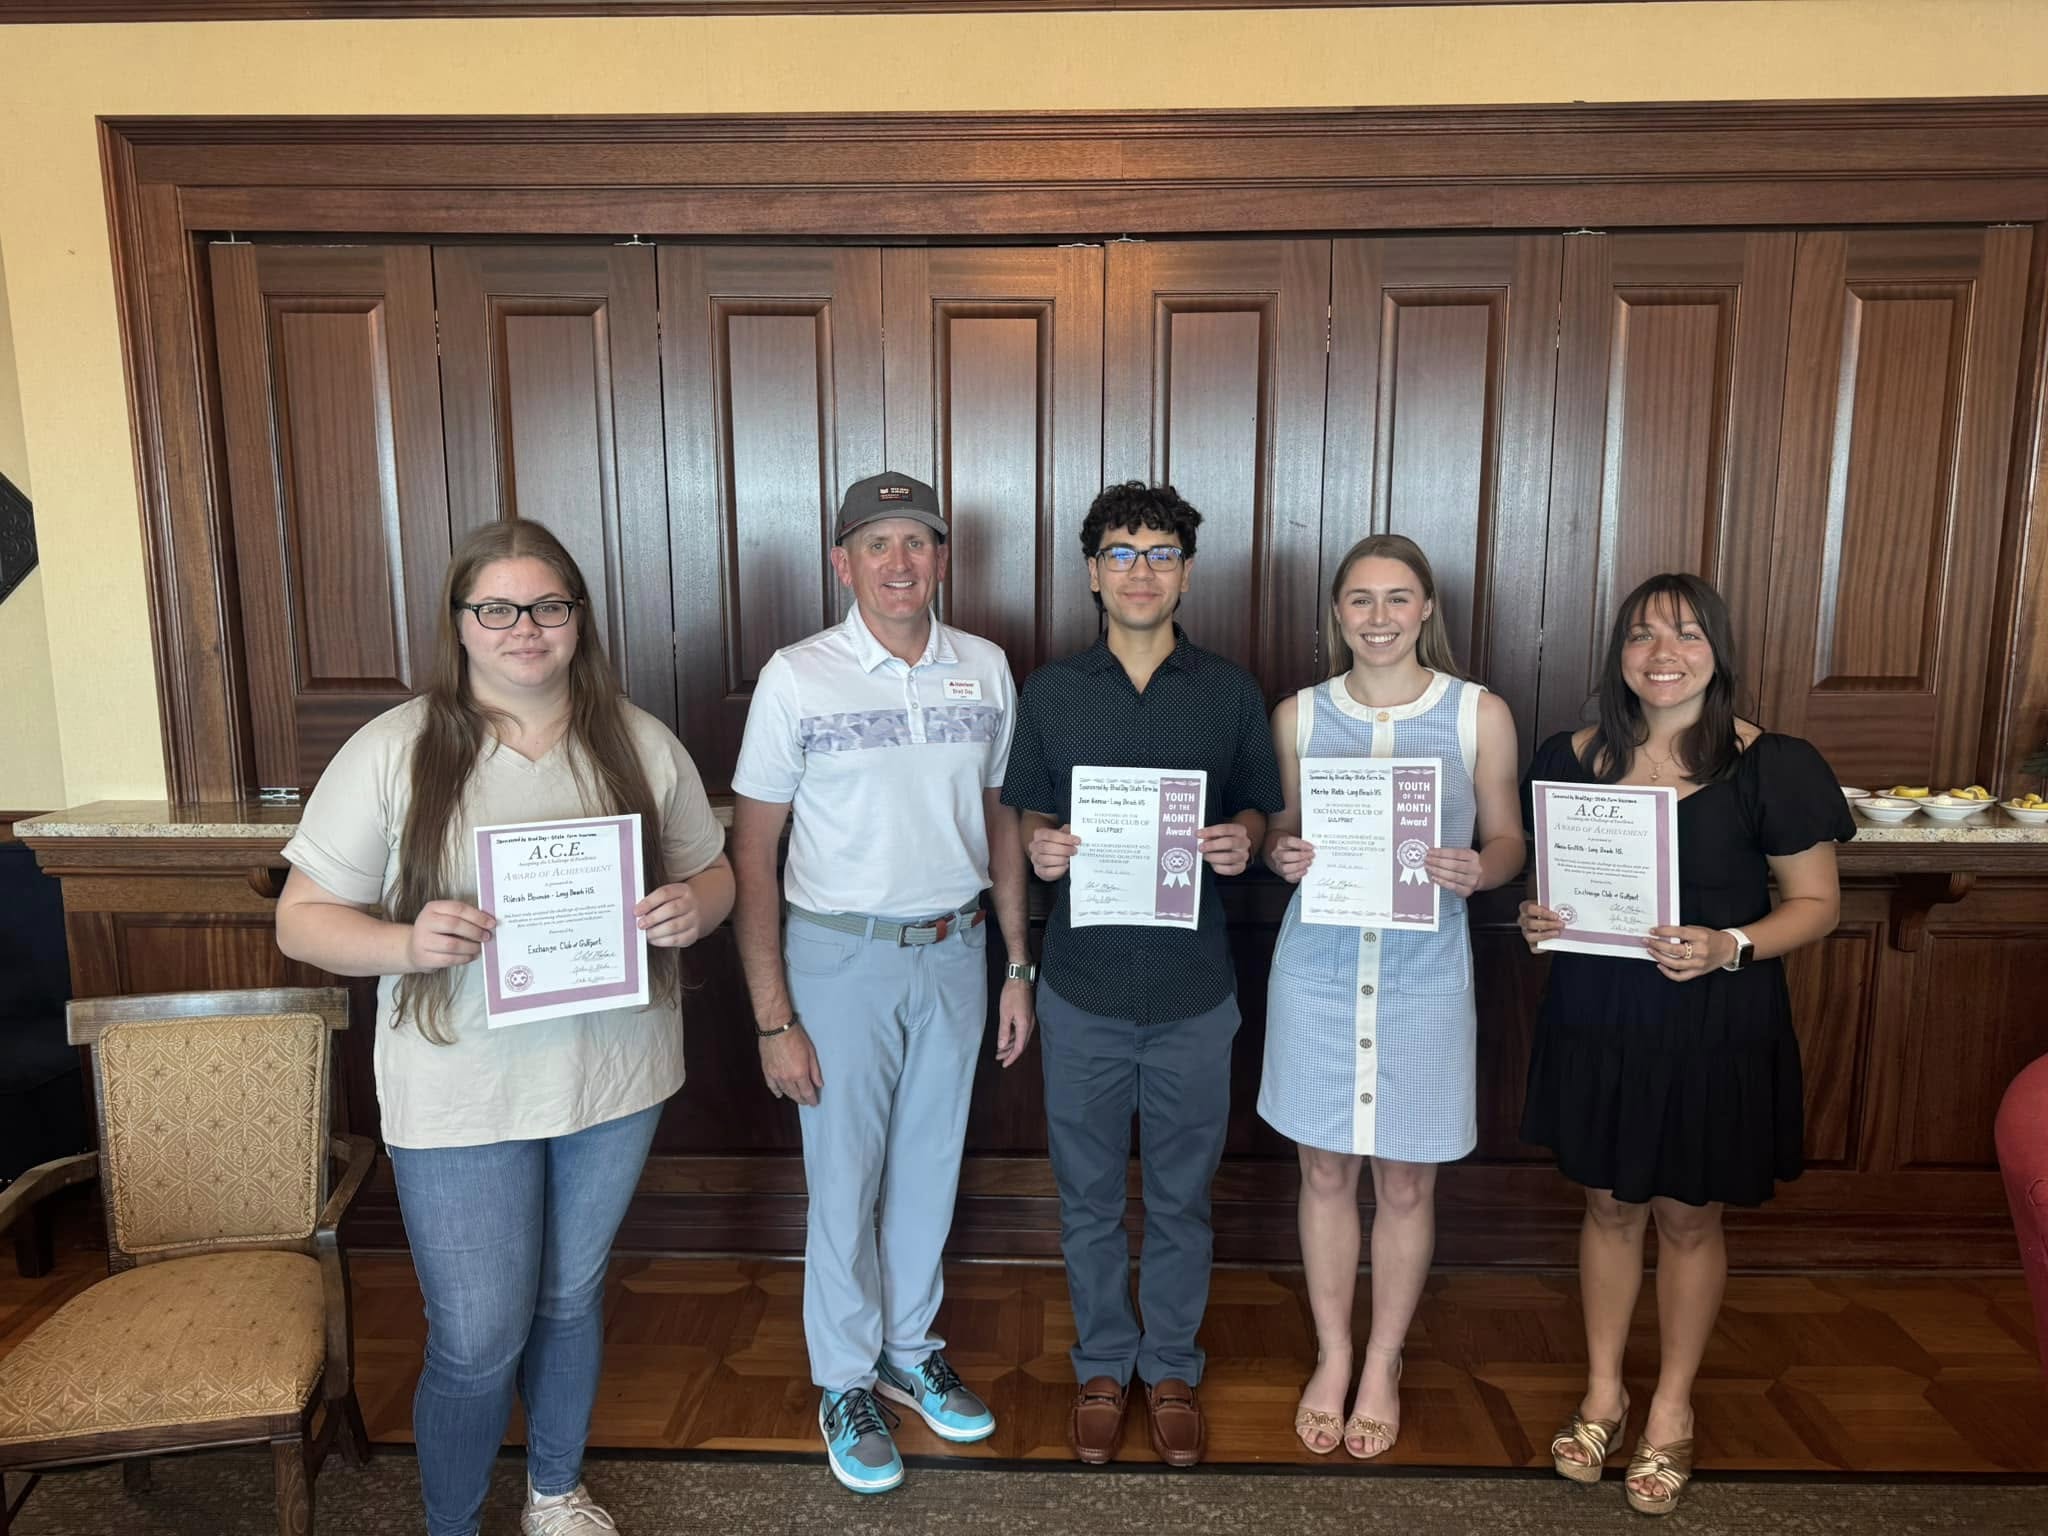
[1372, 821]
[1140, 861]
[1607, 864]
[563, 893]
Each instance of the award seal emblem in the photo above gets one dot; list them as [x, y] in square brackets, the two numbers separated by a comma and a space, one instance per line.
[1411, 854]
[1176, 864]
[1567, 914]
[518, 979]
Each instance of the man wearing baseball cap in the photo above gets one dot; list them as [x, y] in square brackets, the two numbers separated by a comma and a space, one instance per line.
[881, 743]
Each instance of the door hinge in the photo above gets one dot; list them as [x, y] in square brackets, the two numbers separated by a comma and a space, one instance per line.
[1329, 325]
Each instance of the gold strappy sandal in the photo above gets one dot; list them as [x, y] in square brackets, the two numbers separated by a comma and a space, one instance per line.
[1359, 1427]
[1319, 1422]
[1595, 1437]
[1668, 1466]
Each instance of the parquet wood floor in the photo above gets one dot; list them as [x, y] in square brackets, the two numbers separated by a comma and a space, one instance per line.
[1817, 1373]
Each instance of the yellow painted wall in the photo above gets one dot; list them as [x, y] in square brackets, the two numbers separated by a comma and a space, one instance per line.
[31, 769]
[54, 80]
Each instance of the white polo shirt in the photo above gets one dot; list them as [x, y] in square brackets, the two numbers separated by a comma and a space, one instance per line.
[883, 766]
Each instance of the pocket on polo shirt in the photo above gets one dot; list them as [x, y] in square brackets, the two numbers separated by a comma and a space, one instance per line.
[817, 951]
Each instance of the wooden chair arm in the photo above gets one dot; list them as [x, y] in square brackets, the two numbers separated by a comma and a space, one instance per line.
[359, 1152]
[42, 1180]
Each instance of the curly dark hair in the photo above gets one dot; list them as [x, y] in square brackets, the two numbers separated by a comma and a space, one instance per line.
[1134, 505]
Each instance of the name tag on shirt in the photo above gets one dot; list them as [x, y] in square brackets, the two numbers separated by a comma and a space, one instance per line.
[963, 688]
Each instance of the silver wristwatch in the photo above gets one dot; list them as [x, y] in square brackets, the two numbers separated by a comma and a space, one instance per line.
[1020, 970]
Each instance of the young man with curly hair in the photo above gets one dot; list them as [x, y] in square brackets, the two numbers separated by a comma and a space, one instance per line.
[1139, 1019]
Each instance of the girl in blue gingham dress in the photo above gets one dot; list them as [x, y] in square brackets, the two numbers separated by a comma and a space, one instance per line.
[1370, 1033]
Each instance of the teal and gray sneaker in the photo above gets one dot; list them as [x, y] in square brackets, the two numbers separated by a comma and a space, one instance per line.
[858, 1447]
[938, 1397]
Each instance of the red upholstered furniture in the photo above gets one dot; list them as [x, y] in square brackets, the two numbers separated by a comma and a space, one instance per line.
[2023, 1157]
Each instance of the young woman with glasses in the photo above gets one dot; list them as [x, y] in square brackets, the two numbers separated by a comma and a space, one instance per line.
[515, 1149]
[1370, 1033]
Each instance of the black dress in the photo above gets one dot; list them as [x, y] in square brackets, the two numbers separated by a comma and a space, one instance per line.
[1691, 1090]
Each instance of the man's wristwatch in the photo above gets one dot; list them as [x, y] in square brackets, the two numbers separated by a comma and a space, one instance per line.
[1743, 949]
[1020, 970]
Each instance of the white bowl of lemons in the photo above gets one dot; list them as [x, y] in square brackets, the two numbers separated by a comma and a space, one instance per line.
[2030, 810]
[1958, 804]
[1885, 810]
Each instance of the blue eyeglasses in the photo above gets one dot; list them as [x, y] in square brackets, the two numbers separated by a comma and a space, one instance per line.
[1161, 557]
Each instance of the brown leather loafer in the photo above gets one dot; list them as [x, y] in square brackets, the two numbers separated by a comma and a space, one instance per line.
[1176, 1422]
[1095, 1427]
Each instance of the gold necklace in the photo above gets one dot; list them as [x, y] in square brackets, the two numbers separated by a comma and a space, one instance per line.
[1655, 776]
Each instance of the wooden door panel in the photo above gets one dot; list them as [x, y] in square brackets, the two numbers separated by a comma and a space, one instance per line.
[1898, 426]
[1832, 1005]
[331, 415]
[772, 380]
[1442, 372]
[1214, 369]
[994, 395]
[552, 379]
[1671, 363]
[1977, 1020]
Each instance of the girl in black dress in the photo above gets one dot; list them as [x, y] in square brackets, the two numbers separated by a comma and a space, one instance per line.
[1668, 1089]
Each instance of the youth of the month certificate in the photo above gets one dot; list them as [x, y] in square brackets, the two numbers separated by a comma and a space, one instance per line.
[1140, 862]
[1607, 864]
[1372, 820]
[563, 893]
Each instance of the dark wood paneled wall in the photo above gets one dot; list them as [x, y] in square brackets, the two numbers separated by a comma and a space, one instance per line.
[1839, 422]
[1912, 1018]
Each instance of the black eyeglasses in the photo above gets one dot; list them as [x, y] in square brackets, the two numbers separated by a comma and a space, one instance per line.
[549, 613]
[1161, 557]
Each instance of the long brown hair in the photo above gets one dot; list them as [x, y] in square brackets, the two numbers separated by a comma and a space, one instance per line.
[1432, 646]
[1708, 748]
[609, 776]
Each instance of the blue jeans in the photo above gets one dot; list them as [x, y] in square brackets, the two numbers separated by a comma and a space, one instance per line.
[510, 1241]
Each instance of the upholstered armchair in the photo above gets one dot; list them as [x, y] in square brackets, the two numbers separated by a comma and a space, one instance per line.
[224, 1317]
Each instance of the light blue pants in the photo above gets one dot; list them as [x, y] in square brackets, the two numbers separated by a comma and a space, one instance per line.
[895, 1029]
[510, 1241]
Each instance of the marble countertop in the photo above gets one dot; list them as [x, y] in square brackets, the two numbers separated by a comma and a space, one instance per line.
[223, 821]
[241, 820]
[1992, 826]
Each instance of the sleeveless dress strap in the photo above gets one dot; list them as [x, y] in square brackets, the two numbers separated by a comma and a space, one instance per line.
[1304, 721]
[1468, 725]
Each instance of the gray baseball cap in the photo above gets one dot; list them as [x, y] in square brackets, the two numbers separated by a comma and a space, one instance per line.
[889, 495]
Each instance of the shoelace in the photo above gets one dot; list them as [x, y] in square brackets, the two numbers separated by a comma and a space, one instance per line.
[939, 1377]
[859, 1413]
[576, 1515]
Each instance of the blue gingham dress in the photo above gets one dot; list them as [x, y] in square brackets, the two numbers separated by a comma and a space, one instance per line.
[1371, 1034]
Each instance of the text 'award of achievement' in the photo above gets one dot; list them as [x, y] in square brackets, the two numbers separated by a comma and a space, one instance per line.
[563, 893]
[1607, 864]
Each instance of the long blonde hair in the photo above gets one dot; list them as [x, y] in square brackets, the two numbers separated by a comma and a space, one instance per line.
[610, 778]
[1432, 646]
